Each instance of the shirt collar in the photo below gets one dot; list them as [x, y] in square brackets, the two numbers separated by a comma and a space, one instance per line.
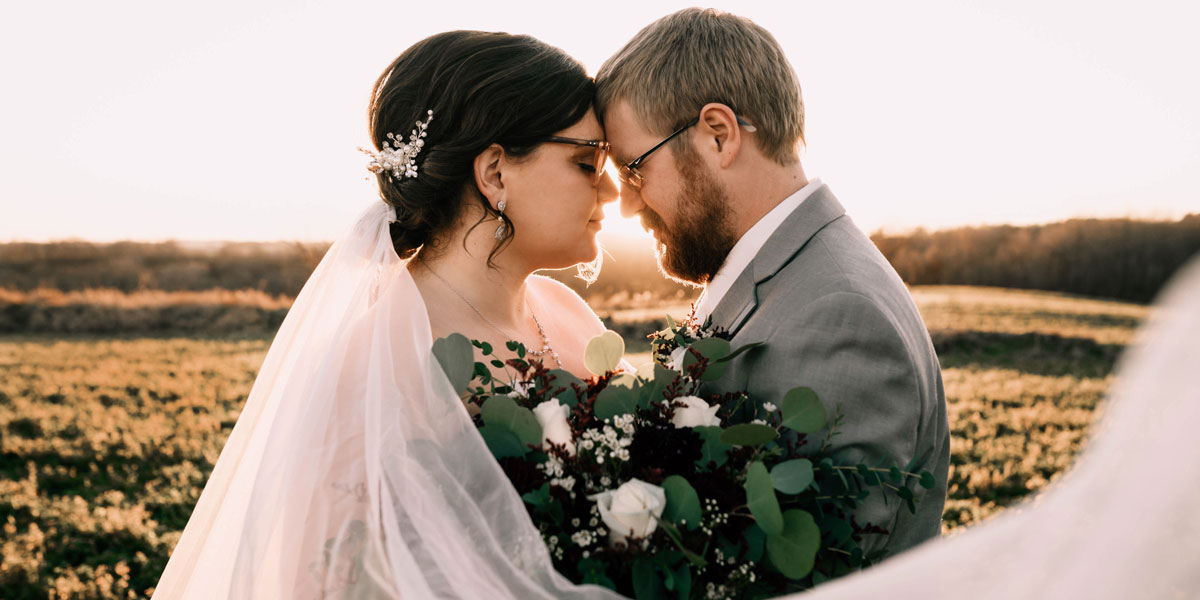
[747, 248]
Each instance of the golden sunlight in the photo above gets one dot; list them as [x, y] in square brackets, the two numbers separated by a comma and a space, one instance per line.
[617, 226]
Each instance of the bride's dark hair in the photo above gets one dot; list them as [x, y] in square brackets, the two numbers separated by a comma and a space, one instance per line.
[483, 88]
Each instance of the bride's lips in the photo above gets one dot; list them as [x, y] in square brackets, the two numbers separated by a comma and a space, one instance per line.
[596, 223]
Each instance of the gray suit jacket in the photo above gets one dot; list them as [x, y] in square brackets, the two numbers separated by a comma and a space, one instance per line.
[836, 317]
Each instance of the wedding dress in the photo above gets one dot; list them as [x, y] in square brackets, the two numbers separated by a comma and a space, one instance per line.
[355, 472]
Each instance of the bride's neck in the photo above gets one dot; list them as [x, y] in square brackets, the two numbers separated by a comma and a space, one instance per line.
[497, 292]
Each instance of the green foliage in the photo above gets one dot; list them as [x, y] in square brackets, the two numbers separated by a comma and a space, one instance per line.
[760, 497]
[566, 379]
[712, 349]
[615, 400]
[683, 505]
[793, 550]
[713, 449]
[502, 441]
[748, 434]
[802, 411]
[793, 476]
[457, 359]
[604, 353]
[504, 413]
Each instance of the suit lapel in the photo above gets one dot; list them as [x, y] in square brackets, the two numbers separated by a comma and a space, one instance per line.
[817, 211]
[737, 304]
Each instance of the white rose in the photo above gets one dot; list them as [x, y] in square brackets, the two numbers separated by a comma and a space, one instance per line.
[695, 412]
[555, 429]
[675, 363]
[631, 510]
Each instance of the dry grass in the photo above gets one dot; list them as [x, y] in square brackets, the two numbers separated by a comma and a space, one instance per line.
[105, 443]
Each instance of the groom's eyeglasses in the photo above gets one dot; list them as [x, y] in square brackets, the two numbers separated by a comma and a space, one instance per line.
[629, 174]
[602, 150]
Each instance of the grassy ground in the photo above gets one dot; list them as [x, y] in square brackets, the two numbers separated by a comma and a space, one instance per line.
[105, 443]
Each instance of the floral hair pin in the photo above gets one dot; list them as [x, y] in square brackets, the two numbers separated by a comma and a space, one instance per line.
[400, 160]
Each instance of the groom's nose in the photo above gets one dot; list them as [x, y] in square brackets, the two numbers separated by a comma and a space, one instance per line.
[631, 201]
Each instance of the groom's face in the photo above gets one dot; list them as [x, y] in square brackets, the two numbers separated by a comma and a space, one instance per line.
[680, 201]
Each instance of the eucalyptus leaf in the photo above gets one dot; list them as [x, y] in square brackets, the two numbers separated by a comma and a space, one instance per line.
[613, 401]
[927, 480]
[604, 353]
[663, 378]
[802, 411]
[502, 442]
[647, 585]
[683, 504]
[457, 358]
[839, 530]
[712, 349]
[748, 434]
[564, 379]
[714, 449]
[793, 476]
[645, 372]
[755, 540]
[739, 351]
[760, 497]
[502, 411]
[624, 380]
[794, 550]
[683, 581]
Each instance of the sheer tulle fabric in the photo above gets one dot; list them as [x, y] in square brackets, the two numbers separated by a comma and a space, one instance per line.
[1123, 523]
[354, 470]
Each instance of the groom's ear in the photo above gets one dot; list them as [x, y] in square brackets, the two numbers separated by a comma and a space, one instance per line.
[488, 165]
[719, 134]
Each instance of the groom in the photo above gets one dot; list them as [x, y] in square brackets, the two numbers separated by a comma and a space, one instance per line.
[705, 119]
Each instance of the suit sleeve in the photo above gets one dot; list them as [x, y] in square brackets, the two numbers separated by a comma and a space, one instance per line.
[850, 353]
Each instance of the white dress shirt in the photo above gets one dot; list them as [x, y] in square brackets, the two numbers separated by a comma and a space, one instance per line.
[747, 248]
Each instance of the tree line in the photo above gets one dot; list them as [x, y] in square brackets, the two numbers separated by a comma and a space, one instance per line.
[1123, 259]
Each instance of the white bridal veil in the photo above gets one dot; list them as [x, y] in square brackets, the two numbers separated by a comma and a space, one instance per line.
[354, 472]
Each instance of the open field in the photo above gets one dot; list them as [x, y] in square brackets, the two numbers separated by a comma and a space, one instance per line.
[105, 442]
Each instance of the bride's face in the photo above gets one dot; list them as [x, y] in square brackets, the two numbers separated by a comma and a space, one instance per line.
[554, 203]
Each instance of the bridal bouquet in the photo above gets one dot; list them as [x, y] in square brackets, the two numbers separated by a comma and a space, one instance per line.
[638, 483]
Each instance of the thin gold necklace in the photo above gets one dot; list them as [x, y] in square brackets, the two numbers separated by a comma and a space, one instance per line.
[546, 347]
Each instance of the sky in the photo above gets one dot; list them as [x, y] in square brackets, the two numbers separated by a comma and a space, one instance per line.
[225, 120]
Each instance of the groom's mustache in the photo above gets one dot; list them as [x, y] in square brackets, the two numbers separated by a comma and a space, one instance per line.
[651, 220]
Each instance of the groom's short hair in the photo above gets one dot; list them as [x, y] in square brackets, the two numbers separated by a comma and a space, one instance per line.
[681, 62]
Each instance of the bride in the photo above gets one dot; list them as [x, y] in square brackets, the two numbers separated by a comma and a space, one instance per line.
[354, 470]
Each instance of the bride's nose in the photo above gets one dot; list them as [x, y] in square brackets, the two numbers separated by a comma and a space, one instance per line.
[606, 190]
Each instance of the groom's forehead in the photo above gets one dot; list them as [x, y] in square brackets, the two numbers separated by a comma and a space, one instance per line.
[624, 131]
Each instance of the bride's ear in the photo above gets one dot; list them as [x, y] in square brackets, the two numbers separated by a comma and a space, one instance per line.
[487, 173]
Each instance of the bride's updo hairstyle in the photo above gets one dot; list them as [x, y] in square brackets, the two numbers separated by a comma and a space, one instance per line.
[483, 88]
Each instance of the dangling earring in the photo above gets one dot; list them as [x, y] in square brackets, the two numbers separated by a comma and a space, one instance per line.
[501, 230]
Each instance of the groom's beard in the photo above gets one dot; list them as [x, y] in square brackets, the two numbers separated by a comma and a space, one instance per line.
[692, 249]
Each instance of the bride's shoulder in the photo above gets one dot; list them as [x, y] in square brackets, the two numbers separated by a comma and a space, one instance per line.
[562, 298]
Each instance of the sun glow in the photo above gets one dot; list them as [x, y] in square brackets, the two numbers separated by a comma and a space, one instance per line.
[616, 226]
